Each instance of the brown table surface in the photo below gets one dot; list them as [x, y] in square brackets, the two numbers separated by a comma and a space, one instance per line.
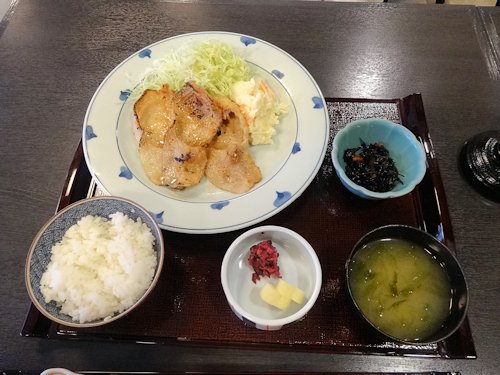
[54, 54]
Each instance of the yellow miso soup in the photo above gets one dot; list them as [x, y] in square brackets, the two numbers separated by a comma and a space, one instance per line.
[400, 288]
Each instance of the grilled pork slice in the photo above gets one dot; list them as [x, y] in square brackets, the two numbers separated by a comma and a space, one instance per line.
[232, 169]
[230, 166]
[151, 157]
[197, 116]
[233, 129]
[187, 135]
[183, 165]
[154, 114]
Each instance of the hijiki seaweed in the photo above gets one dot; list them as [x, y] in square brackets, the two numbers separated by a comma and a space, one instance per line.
[371, 167]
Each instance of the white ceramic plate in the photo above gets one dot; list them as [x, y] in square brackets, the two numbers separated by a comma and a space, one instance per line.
[288, 166]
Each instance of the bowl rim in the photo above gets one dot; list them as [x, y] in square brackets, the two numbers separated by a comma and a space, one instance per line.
[432, 238]
[100, 322]
[422, 161]
[276, 323]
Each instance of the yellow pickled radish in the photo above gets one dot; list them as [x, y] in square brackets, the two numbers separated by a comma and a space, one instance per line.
[297, 295]
[270, 295]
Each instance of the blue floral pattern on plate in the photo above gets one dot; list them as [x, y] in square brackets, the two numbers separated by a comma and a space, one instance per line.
[219, 205]
[158, 216]
[318, 102]
[146, 52]
[281, 198]
[125, 173]
[246, 40]
[89, 132]
[296, 148]
[124, 94]
[278, 74]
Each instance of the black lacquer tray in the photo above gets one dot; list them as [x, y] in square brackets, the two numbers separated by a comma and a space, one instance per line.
[188, 306]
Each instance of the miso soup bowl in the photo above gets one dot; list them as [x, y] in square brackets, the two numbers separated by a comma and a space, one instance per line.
[446, 259]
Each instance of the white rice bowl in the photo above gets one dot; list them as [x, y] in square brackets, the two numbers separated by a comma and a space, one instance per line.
[105, 267]
[100, 267]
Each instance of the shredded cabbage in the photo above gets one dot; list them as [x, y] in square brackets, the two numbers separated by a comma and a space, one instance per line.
[212, 64]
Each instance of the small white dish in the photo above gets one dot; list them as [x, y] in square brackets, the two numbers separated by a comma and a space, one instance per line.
[299, 266]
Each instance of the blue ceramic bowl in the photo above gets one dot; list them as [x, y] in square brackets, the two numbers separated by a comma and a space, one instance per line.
[52, 232]
[404, 148]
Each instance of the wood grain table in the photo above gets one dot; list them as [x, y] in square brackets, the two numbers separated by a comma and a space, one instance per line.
[54, 54]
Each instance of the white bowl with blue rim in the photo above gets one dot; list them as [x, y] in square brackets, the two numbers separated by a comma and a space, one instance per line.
[39, 255]
[403, 146]
[299, 266]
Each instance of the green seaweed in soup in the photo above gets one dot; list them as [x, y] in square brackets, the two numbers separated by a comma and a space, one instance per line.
[400, 288]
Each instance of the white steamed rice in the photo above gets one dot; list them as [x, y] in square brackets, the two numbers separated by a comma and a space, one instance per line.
[100, 267]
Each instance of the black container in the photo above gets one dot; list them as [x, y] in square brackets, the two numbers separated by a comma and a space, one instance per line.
[443, 255]
[479, 161]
